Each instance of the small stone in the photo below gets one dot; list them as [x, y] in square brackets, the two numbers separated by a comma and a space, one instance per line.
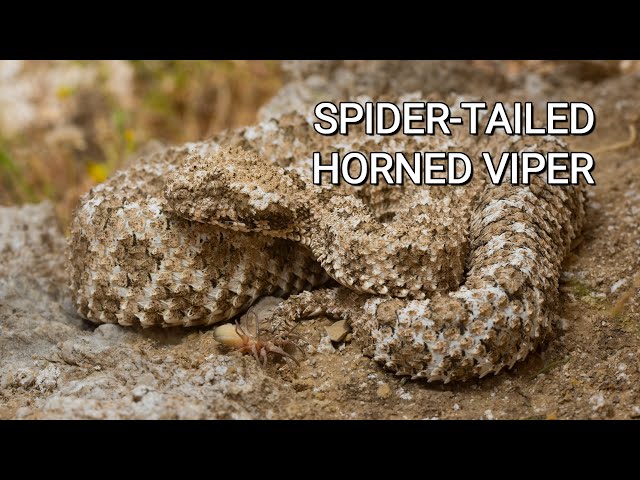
[23, 412]
[110, 331]
[325, 345]
[404, 395]
[383, 391]
[139, 392]
[147, 379]
[618, 284]
[338, 331]
[597, 401]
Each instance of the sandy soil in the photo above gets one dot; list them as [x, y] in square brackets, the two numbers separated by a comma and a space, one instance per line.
[55, 365]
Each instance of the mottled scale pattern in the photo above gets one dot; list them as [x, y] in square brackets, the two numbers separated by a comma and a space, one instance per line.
[518, 239]
[420, 249]
[504, 309]
[441, 282]
[429, 316]
[132, 262]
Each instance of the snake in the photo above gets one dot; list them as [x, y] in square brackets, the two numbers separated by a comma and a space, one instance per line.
[444, 283]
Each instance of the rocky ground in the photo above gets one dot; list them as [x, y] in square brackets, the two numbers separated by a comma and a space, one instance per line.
[54, 364]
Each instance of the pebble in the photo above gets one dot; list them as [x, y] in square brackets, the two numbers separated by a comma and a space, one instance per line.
[618, 284]
[23, 412]
[597, 401]
[139, 392]
[325, 345]
[383, 391]
[338, 331]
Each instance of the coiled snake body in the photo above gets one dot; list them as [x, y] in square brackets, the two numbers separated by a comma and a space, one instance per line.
[444, 283]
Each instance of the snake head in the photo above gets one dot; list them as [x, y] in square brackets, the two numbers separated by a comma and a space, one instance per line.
[235, 189]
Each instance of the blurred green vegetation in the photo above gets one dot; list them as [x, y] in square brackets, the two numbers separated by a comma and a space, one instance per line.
[60, 158]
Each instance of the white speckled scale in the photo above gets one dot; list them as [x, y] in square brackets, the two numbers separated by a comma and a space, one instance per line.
[427, 319]
[133, 262]
[518, 239]
[442, 283]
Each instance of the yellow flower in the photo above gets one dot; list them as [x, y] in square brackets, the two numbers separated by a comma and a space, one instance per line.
[129, 138]
[98, 172]
[64, 92]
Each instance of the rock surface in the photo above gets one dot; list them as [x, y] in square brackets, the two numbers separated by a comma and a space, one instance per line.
[53, 364]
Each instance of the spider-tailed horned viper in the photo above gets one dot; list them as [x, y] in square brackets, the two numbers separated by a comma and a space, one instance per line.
[440, 282]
